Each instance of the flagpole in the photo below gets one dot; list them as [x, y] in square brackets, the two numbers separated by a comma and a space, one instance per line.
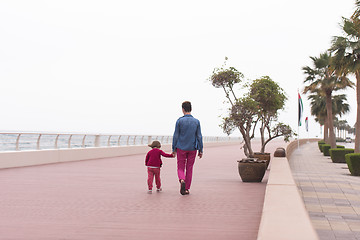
[307, 128]
[300, 110]
[298, 137]
[308, 137]
[298, 120]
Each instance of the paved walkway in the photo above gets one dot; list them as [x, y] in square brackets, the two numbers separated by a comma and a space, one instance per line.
[108, 199]
[330, 193]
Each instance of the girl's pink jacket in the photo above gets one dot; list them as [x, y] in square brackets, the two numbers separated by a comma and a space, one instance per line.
[153, 157]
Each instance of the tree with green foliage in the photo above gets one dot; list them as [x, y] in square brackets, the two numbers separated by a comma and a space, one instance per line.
[243, 115]
[341, 126]
[323, 78]
[271, 98]
[346, 59]
[260, 104]
[318, 108]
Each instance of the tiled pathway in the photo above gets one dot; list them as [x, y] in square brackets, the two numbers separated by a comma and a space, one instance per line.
[107, 199]
[331, 195]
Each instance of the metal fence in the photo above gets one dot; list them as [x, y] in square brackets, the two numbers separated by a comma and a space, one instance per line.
[20, 141]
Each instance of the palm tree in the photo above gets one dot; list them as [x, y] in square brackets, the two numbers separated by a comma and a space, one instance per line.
[318, 108]
[340, 108]
[342, 127]
[352, 130]
[347, 59]
[336, 127]
[323, 78]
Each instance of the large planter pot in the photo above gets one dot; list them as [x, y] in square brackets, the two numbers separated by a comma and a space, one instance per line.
[251, 169]
[263, 156]
[280, 152]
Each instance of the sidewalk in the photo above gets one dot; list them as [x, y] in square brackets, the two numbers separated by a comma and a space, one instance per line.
[330, 193]
[108, 199]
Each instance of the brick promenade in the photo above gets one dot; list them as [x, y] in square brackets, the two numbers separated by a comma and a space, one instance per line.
[330, 193]
[107, 199]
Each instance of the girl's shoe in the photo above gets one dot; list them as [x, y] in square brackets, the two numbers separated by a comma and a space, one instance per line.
[159, 189]
[150, 191]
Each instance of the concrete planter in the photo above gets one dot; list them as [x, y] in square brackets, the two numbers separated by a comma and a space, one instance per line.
[280, 152]
[251, 169]
[263, 156]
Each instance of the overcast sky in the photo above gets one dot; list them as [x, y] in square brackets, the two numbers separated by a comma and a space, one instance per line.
[125, 67]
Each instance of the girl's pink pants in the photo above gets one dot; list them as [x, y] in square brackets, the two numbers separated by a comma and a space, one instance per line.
[151, 173]
[185, 164]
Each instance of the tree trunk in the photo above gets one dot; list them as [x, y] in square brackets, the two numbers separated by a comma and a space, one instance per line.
[247, 139]
[326, 132]
[248, 151]
[262, 133]
[357, 124]
[263, 148]
[332, 139]
[266, 142]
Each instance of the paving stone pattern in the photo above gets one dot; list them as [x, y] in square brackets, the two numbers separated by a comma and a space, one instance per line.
[107, 199]
[331, 195]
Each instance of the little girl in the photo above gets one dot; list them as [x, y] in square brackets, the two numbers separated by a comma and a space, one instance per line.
[154, 163]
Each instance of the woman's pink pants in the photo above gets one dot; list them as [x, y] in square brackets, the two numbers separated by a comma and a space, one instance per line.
[185, 163]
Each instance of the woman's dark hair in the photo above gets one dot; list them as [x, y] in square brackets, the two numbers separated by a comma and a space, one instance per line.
[186, 106]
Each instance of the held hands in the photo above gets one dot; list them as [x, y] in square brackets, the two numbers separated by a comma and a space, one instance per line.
[200, 154]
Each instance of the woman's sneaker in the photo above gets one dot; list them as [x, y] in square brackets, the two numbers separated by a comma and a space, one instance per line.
[159, 189]
[182, 187]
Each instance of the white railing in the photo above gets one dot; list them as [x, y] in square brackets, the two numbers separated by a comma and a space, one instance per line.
[20, 141]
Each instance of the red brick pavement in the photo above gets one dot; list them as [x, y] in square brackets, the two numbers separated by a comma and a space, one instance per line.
[108, 199]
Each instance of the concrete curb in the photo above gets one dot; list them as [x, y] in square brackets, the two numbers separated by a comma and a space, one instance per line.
[284, 214]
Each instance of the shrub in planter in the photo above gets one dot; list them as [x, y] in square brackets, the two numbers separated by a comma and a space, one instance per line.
[338, 154]
[320, 146]
[320, 143]
[325, 149]
[353, 162]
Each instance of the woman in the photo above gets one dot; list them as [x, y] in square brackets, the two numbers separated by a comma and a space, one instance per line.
[187, 140]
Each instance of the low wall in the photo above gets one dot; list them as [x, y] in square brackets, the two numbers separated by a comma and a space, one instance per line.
[294, 144]
[284, 214]
[39, 157]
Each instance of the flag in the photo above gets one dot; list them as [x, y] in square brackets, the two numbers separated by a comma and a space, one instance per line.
[300, 109]
[306, 124]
